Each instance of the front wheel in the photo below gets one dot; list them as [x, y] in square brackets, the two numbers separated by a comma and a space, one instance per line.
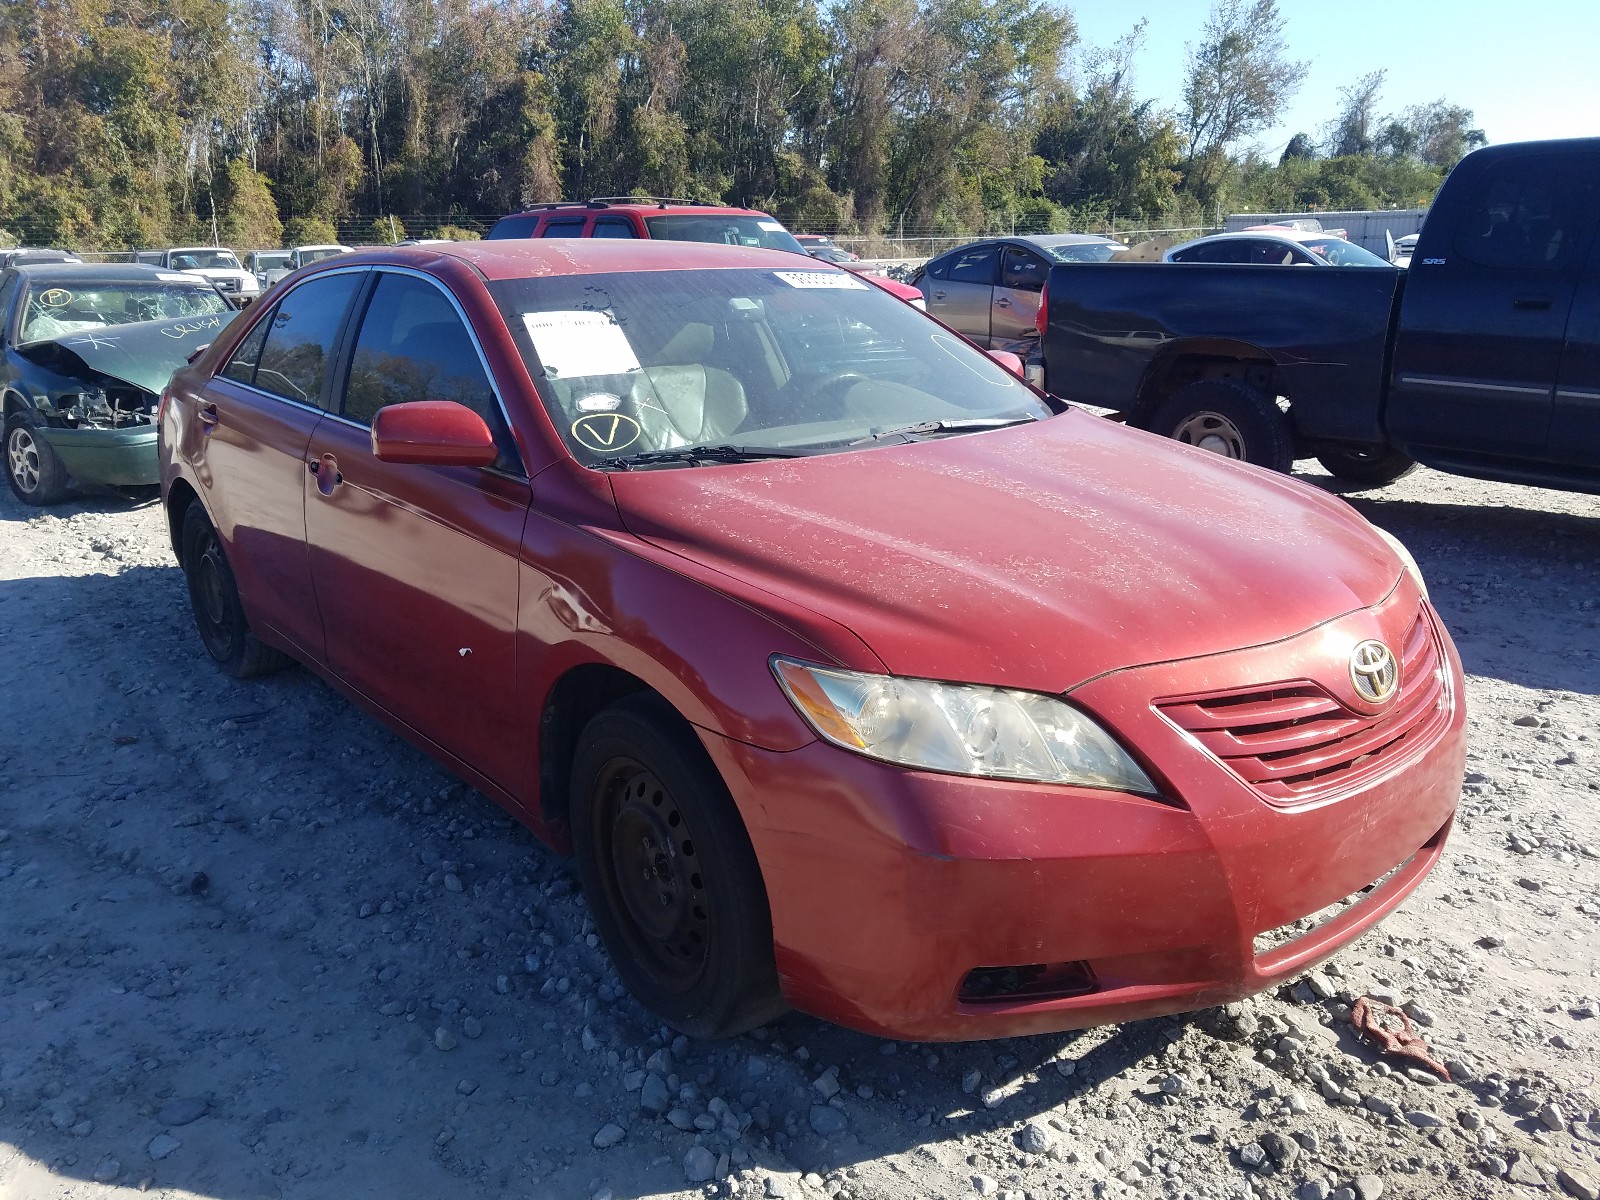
[33, 469]
[1229, 418]
[1371, 466]
[669, 873]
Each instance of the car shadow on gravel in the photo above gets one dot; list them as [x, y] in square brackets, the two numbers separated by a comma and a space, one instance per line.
[1516, 586]
[83, 500]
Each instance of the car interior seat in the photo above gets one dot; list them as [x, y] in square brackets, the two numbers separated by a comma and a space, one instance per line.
[681, 401]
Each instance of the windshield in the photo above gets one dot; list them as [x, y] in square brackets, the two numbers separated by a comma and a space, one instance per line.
[270, 262]
[729, 229]
[799, 360]
[54, 309]
[311, 256]
[1339, 253]
[1083, 252]
[204, 260]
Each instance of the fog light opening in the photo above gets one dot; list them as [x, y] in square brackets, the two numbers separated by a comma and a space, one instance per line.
[1034, 981]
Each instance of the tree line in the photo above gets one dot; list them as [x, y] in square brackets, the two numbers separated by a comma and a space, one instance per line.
[262, 122]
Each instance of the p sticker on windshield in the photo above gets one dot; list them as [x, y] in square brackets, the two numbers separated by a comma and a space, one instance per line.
[580, 343]
[824, 280]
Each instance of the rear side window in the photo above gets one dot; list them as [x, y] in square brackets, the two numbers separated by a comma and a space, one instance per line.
[414, 346]
[975, 266]
[294, 361]
[613, 227]
[1527, 214]
[241, 366]
[519, 226]
[567, 227]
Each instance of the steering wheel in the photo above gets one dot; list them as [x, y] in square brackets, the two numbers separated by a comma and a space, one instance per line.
[822, 386]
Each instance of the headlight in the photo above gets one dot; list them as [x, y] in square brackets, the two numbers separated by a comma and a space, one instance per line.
[1406, 560]
[958, 728]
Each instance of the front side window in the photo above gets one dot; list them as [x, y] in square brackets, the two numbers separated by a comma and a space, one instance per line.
[727, 229]
[1526, 215]
[294, 360]
[1023, 272]
[52, 309]
[518, 226]
[793, 361]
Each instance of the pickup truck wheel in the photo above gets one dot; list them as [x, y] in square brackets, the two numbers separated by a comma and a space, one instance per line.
[1371, 467]
[36, 474]
[669, 873]
[1228, 418]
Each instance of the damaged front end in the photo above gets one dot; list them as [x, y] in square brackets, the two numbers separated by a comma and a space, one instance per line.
[105, 403]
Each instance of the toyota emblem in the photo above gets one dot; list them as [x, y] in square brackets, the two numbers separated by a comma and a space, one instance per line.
[1374, 672]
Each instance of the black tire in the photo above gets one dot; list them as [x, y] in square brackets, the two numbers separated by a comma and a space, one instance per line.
[1370, 467]
[33, 469]
[669, 873]
[1230, 418]
[214, 597]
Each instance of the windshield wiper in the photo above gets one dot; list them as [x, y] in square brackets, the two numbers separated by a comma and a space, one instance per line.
[919, 428]
[700, 454]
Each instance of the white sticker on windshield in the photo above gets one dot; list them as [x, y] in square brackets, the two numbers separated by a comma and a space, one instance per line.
[580, 343]
[174, 278]
[839, 280]
[771, 226]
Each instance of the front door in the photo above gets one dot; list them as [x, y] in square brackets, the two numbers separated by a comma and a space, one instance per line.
[961, 290]
[1483, 318]
[415, 567]
[269, 397]
[1016, 300]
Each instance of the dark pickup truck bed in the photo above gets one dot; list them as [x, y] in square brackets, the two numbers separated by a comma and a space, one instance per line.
[1482, 359]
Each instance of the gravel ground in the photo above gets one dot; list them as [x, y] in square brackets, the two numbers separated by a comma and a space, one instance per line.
[252, 945]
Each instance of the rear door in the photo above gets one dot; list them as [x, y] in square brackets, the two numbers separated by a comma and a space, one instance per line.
[1485, 308]
[255, 421]
[960, 289]
[415, 567]
[1016, 297]
[1575, 425]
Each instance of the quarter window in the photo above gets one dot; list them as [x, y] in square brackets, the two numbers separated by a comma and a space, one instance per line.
[294, 361]
[413, 346]
[612, 227]
[1526, 216]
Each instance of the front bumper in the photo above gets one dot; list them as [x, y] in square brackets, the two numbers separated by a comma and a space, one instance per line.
[119, 457]
[888, 886]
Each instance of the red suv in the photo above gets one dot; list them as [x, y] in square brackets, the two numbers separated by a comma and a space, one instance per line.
[664, 219]
[858, 675]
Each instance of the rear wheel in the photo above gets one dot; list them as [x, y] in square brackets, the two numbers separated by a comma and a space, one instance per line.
[1229, 418]
[214, 596]
[33, 469]
[1371, 466]
[669, 873]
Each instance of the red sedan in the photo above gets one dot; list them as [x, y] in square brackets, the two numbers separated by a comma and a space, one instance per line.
[858, 676]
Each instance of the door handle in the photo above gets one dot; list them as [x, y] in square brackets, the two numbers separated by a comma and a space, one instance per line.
[1532, 303]
[938, 295]
[1002, 303]
[326, 470]
[208, 415]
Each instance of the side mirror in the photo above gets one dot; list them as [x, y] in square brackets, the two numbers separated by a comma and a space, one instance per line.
[1009, 361]
[438, 433]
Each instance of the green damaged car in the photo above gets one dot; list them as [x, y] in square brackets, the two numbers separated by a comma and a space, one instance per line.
[85, 352]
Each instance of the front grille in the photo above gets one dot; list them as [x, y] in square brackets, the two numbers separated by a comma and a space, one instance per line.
[1295, 742]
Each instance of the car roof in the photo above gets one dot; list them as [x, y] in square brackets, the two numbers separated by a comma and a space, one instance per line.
[103, 273]
[1280, 235]
[655, 206]
[526, 258]
[1046, 240]
[192, 249]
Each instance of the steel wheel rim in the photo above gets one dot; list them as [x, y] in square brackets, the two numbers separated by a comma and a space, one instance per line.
[211, 598]
[654, 881]
[22, 457]
[1213, 432]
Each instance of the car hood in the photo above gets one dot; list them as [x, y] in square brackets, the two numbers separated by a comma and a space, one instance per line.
[144, 354]
[1037, 556]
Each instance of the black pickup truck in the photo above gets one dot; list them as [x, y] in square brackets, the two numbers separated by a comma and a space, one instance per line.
[1483, 359]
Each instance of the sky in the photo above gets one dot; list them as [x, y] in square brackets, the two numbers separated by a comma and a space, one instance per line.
[1525, 70]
